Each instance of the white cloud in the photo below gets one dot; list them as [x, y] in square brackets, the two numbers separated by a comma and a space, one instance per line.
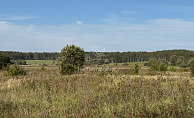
[79, 22]
[156, 34]
[18, 18]
[128, 12]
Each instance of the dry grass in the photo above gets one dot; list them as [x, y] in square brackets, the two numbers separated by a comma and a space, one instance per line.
[48, 94]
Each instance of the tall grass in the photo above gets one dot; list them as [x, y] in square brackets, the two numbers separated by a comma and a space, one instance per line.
[48, 94]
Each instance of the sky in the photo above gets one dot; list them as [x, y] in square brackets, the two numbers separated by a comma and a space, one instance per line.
[110, 25]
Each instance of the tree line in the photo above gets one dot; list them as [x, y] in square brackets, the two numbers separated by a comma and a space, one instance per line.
[31, 55]
[72, 58]
[122, 57]
[110, 57]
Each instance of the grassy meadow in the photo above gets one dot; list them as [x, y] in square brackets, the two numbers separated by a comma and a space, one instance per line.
[40, 62]
[47, 94]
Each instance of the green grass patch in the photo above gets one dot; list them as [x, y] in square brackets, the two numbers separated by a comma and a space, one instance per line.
[130, 64]
[41, 62]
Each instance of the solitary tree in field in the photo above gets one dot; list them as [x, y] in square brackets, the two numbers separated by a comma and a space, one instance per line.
[71, 59]
[4, 60]
[136, 69]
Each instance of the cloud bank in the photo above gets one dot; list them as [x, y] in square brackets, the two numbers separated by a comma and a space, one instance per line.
[154, 34]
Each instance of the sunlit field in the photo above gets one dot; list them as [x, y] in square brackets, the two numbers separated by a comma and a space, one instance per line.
[45, 93]
[40, 62]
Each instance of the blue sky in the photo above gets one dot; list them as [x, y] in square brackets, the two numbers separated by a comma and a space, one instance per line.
[112, 25]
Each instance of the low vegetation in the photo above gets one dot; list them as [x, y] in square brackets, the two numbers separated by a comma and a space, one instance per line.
[14, 71]
[147, 90]
[41, 62]
[48, 94]
[4, 61]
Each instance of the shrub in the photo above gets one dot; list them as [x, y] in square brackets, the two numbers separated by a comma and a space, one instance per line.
[71, 59]
[15, 70]
[125, 64]
[136, 69]
[42, 68]
[191, 65]
[18, 62]
[4, 61]
[160, 65]
[146, 64]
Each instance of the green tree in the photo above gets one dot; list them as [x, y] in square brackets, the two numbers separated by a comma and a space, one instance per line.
[136, 69]
[160, 65]
[4, 61]
[191, 65]
[153, 64]
[71, 59]
[173, 60]
[181, 61]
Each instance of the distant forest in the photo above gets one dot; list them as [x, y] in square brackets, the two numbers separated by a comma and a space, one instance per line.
[116, 57]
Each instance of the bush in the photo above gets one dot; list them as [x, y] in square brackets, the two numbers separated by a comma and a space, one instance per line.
[42, 68]
[160, 65]
[18, 62]
[146, 64]
[125, 64]
[15, 70]
[191, 65]
[4, 61]
[135, 70]
[71, 59]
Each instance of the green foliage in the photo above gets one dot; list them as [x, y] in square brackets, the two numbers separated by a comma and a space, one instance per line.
[146, 64]
[181, 62]
[160, 65]
[71, 59]
[42, 68]
[15, 70]
[125, 64]
[191, 65]
[136, 69]
[173, 60]
[4, 61]
[39, 62]
[18, 62]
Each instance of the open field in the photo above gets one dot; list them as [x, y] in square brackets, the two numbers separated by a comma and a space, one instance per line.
[45, 93]
[51, 62]
[40, 62]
